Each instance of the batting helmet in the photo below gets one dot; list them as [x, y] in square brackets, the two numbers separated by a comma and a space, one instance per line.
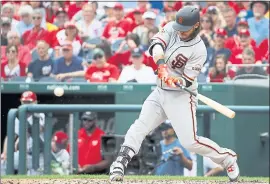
[28, 96]
[186, 18]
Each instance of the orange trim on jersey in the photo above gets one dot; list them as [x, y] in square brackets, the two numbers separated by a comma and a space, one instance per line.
[188, 77]
[162, 41]
[194, 133]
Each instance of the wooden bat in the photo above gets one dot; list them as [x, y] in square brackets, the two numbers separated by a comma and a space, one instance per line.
[211, 103]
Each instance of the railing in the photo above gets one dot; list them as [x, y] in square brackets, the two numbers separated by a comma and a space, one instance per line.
[75, 109]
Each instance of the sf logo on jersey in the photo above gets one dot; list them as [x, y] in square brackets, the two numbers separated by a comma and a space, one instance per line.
[179, 61]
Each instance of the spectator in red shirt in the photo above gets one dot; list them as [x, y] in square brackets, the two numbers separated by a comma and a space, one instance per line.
[169, 15]
[24, 55]
[245, 42]
[69, 34]
[12, 67]
[31, 37]
[100, 70]
[119, 27]
[234, 41]
[122, 58]
[89, 146]
[138, 20]
[218, 72]
[74, 8]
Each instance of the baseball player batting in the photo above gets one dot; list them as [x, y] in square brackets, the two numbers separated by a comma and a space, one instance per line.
[180, 54]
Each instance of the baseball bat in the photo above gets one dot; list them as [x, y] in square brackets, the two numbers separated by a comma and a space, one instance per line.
[211, 103]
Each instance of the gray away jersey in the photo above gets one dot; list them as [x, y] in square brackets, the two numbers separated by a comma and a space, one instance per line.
[183, 59]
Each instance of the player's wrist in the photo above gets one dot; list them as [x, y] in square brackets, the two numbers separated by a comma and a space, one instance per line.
[161, 62]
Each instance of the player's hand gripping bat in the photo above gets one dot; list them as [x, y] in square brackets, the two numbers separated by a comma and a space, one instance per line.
[215, 105]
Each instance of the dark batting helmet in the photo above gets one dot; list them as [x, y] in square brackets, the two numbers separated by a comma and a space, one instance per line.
[186, 18]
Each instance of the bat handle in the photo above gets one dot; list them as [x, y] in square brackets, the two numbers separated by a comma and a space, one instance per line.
[184, 88]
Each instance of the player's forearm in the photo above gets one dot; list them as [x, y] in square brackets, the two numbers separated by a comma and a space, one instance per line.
[158, 53]
[214, 172]
[186, 162]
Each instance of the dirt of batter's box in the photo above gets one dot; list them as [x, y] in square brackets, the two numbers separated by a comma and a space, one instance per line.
[129, 181]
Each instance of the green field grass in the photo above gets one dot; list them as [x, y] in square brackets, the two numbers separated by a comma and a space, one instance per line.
[141, 177]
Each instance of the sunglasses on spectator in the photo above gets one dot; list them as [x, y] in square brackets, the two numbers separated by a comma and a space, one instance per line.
[38, 18]
[66, 50]
[12, 51]
[86, 119]
[243, 36]
[98, 57]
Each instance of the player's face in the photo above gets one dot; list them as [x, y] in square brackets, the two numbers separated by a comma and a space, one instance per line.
[185, 35]
[88, 124]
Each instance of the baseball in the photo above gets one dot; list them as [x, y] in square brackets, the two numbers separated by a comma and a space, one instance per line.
[58, 91]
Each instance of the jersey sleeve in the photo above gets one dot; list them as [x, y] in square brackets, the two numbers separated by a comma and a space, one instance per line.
[193, 67]
[162, 37]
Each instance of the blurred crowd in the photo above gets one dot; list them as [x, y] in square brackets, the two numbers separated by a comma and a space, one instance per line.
[107, 41]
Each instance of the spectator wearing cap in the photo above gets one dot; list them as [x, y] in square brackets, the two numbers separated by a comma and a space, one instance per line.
[234, 41]
[217, 49]
[24, 55]
[174, 156]
[249, 58]
[90, 159]
[60, 154]
[27, 97]
[108, 13]
[52, 10]
[259, 25]
[122, 57]
[25, 23]
[137, 71]
[43, 66]
[8, 10]
[137, 18]
[100, 70]
[31, 37]
[68, 65]
[5, 28]
[245, 42]
[218, 72]
[230, 18]
[149, 18]
[119, 27]
[69, 34]
[12, 67]
[89, 27]
[141, 8]
[219, 43]
[169, 15]
[215, 14]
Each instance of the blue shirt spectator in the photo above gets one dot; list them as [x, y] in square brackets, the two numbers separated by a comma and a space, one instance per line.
[68, 63]
[171, 163]
[259, 29]
[259, 25]
[61, 66]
